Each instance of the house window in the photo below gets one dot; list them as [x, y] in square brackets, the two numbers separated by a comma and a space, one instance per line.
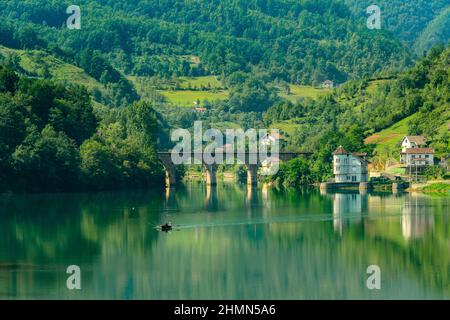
[353, 178]
[338, 160]
[413, 156]
[427, 156]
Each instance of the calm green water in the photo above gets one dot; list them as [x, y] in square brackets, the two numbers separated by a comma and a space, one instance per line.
[231, 243]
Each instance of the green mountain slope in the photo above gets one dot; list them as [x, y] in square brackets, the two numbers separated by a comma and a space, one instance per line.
[299, 41]
[409, 20]
[417, 101]
[40, 64]
[437, 31]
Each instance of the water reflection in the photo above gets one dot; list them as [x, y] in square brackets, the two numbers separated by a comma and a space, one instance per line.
[417, 218]
[347, 209]
[233, 242]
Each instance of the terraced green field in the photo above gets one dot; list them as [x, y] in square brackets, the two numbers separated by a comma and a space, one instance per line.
[386, 140]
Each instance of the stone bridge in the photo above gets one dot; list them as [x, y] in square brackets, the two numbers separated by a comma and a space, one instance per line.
[249, 160]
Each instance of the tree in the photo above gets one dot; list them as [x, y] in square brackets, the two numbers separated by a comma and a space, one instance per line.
[46, 161]
[8, 80]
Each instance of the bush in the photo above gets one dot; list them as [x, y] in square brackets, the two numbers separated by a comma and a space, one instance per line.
[435, 172]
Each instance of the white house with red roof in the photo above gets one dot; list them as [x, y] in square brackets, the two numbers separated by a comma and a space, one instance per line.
[350, 167]
[415, 153]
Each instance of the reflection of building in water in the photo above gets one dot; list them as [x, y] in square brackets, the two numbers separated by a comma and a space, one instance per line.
[417, 218]
[347, 209]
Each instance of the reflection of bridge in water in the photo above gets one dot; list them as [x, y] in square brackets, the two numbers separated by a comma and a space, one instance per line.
[252, 162]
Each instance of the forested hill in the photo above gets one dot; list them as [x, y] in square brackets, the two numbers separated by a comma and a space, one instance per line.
[299, 41]
[420, 23]
[418, 99]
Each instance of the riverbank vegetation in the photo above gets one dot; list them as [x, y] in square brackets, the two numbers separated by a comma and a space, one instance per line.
[436, 187]
[51, 139]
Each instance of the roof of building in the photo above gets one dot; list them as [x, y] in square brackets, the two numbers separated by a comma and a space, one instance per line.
[328, 82]
[418, 140]
[359, 154]
[419, 151]
[340, 151]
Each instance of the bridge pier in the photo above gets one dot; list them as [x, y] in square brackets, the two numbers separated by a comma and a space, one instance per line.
[211, 174]
[211, 203]
[252, 174]
[169, 168]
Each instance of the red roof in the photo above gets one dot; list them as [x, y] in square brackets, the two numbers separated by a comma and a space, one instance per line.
[418, 140]
[359, 154]
[419, 151]
[340, 151]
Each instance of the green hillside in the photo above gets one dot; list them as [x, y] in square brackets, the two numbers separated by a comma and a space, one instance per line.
[412, 21]
[299, 41]
[296, 92]
[435, 32]
[43, 65]
[386, 141]
[39, 64]
[415, 102]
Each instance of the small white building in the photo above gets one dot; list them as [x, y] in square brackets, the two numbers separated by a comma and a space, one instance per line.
[350, 167]
[417, 157]
[270, 139]
[412, 142]
[328, 84]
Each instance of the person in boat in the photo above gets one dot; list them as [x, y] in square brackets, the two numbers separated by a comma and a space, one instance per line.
[166, 227]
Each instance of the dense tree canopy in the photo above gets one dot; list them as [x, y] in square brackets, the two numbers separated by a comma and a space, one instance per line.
[50, 139]
[300, 41]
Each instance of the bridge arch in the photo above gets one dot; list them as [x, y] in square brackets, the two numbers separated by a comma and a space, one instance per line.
[211, 169]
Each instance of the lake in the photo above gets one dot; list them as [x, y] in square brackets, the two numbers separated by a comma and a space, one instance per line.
[229, 242]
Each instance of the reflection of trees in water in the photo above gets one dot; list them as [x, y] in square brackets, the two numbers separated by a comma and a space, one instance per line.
[379, 238]
[43, 234]
[126, 258]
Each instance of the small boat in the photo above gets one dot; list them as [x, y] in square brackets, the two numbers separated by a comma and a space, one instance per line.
[166, 227]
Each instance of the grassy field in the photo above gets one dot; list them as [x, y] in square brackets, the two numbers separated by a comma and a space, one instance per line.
[37, 63]
[186, 98]
[206, 88]
[287, 127]
[304, 92]
[373, 85]
[210, 82]
[437, 187]
[386, 140]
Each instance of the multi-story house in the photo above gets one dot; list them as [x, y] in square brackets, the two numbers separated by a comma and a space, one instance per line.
[350, 167]
[418, 157]
[415, 153]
